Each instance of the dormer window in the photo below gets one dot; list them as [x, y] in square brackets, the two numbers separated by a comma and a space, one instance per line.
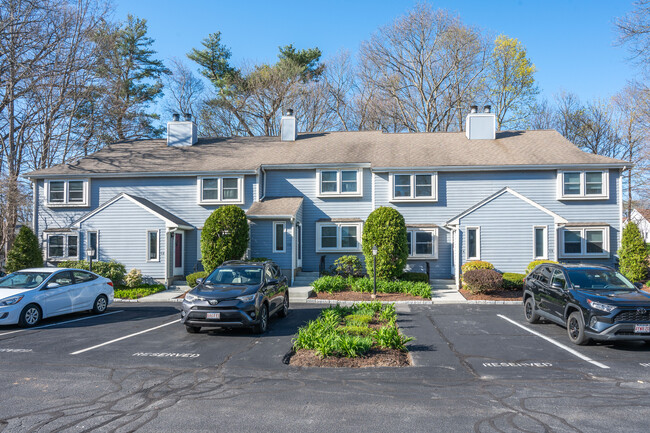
[340, 183]
[220, 190]
[67, 193]
[414, 187]
[583, 185]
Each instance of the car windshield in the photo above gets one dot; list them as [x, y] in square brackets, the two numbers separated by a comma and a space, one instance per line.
[23, 280]
[598, 279]
[238, 276]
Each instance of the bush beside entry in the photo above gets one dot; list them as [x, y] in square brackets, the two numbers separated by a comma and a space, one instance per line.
[385, 227]
[224, 236]
[633, 257]
[25, 252]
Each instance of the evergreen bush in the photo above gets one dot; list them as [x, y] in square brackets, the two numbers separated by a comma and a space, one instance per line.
[482, 280]
[191, 278]
[385, 228]
[348, 266]
[224, 236]
[25, 252]
[633, 259]
[513, 281]
[476, 264]
[133, 278]
[534, 264]
[112, 270]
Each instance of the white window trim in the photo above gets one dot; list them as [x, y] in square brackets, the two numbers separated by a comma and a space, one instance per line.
[284, 236]
[65, 202]
[220, 200]
[338, 225]
[434, 188]
[157, 259]
[199, 255]
[65, 246]
[339, 180]
[412, 255]
[478, 243]
[545, 247]
[582, 195]
[583, 243]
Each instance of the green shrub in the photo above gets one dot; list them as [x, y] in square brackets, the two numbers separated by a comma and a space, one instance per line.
[25, 252]
[513, 281]
[385, 228]
[133, 278]
[139, 291]
[389, 337]
[351, 346]
[224, 236]
[415, 277]
[476, 264]
[191, 278]
[355, 330]
[633, 259]
[358, 319]
[332, 284]
[534, 263]
[112, 270]
[482, 280]
[329, 284]
[348, 266]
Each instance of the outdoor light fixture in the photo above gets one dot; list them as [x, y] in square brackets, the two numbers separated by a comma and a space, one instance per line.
[374, 271]
[90, 253]
[374, 250]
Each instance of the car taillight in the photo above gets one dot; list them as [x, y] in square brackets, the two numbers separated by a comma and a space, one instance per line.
[110, 283]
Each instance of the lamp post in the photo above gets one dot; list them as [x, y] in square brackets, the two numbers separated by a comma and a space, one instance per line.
[374, 271]
[90, 253]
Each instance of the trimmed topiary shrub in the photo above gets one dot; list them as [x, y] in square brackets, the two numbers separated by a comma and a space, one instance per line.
[513, 281]
[415, 277]
[633, 259]
[385, 228]
[191, 278]
[482, 280]
[25, 252]
[224, 236]
[476, 264]
[348, 266]
[112, 270]
[534, 263]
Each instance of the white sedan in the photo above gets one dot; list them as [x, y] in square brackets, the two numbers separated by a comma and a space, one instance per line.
[30, 295]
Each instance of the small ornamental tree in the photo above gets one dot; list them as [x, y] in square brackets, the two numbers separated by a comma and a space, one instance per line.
[224, 236]
[633, 257]
[25, 252]
[385, 227]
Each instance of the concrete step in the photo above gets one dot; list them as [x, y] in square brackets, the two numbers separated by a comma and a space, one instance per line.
[299, 293]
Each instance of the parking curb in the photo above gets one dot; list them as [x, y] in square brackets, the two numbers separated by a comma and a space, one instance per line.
[338, 301]
[486, 302]
[147, 301]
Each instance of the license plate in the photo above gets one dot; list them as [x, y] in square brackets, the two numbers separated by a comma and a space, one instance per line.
[213, 315]
[642, 329]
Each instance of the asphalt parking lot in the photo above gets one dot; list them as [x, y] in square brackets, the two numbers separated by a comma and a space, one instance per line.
[476, 368]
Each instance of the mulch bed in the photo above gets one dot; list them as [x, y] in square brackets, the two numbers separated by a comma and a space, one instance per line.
[374, 358]
[348, 295]
[499, 295]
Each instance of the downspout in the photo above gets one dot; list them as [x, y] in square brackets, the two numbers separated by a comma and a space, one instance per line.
[34, 204]
[620, 210]
[263, 184]
[457, 255]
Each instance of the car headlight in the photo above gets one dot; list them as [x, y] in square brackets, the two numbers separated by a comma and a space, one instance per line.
[247, 298]
[10, 301]
[190, 297]
[600, 306]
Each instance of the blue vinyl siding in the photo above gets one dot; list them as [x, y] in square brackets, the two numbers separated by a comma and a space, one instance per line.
[262, 244]
[441, 267]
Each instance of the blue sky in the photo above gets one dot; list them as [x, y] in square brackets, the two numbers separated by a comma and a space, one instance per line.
[570, 41]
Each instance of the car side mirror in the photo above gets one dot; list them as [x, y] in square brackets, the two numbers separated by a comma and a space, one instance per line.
[199, 281]
[557, 285]
[272, 282]
[638, 285]
[52, 285]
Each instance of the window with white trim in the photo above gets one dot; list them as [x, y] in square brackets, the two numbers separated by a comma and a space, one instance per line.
[473, 251]
[338, 236]
[279, 237]
[584, 242]
[414, 186]
[340, 182]
[583, 184]
[220, 189]
[540, 243]
[422, 243]
[92, 242]
[62, 246]
[153, 245]
[69, 193]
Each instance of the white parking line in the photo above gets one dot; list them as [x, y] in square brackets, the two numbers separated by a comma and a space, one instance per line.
[61, 323]
[124, 338]
[560, 345]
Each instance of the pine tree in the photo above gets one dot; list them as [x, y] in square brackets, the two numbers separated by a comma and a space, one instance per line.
[633, 258]
[25, 252]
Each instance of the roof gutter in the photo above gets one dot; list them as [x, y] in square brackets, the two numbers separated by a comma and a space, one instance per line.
[497, 167]
[140, 174]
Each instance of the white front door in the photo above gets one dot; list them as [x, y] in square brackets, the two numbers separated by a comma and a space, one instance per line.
[178, 250]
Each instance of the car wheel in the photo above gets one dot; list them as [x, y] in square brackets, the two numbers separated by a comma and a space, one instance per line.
[192, 329]
[100, 305]
[30, 316]
[575, 327]
[529, 311]
[284, 311]
[260, 328]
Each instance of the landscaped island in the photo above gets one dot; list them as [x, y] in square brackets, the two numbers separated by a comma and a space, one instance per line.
[363, 335]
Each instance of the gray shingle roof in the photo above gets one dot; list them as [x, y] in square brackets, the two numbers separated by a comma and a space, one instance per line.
[440, 149]
[275, 206]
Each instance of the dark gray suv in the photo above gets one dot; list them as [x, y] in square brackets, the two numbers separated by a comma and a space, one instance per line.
[237, 294]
